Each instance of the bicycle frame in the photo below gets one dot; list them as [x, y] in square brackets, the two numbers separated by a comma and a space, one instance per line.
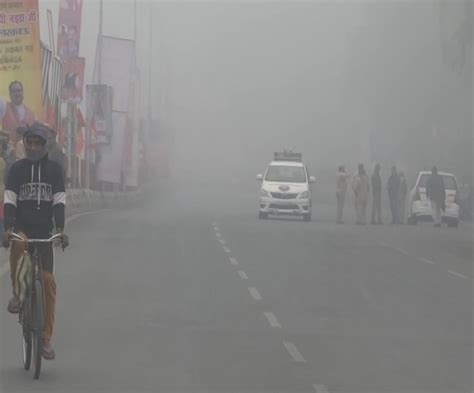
[32, 311]
[36, 271]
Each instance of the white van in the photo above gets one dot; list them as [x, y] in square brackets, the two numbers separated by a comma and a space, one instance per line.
[286, 187]
[419, 206]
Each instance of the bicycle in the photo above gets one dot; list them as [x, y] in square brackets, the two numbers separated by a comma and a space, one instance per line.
[31, 315]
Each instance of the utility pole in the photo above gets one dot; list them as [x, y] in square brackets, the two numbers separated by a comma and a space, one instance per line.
[150, 64]
[99, 65]
[88, 139]
[135, 26]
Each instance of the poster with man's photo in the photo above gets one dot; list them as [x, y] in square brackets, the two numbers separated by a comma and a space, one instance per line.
[69, 29]
[73, 79]
[20, 64]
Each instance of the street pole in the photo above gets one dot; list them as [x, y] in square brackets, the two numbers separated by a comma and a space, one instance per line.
[150, 65]
[99, 64]
[88, 139]
[70, 127]
[135, 26]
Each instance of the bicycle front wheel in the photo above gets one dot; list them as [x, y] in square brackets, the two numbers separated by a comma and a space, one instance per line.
[38, 323]
[27, 347]
[26, 336]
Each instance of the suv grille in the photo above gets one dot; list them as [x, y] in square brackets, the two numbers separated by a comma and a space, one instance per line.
[279, 195]
[284, 207]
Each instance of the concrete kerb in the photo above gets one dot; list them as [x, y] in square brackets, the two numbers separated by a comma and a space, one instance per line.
[83, 200]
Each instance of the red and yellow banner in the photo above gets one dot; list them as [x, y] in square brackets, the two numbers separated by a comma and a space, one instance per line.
[20, 51]
[69, 29]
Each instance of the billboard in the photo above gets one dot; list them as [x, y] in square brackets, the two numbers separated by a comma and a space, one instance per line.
[99, 113]
[110, 157]
[69, 28]
[20, 52]
[73, 80]
[117, 68]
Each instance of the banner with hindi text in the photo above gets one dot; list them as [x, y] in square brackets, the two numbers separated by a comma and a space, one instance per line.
[20, 51]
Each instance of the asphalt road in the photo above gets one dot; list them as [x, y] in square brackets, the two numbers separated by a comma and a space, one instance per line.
[195, 294]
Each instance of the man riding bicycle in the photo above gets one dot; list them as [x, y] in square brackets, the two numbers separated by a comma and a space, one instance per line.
[34, 205]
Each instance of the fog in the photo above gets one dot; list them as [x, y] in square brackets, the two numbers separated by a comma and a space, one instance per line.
[343, 81]
[202, 279]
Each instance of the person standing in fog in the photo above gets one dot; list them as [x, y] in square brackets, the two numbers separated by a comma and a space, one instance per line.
[436, 193]
[393, 188]
[402, 197]
[376, 196]
[361, 188]
[341, 189]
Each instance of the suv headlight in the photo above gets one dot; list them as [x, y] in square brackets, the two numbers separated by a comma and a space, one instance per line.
[304, 195]
[265, 193]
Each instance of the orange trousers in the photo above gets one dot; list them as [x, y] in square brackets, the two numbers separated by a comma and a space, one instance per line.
[49, 284]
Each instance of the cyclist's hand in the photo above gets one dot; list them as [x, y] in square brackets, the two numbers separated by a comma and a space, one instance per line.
[64, 241]
[6, 239]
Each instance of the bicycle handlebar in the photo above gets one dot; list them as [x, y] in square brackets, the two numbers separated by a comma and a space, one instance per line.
[16, 237]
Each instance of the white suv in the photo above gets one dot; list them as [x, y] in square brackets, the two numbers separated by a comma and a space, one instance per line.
[285, 187]
[419, 206]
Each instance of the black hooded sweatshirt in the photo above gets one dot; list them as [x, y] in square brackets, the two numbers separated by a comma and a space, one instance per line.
[34, 196]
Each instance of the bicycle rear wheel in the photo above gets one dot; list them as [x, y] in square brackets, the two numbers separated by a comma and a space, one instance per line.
[38, 323]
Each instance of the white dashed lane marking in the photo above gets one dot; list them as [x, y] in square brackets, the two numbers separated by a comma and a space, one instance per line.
[255, 294]
[401, 251]
[293, 351]
[398, 249]
[424, 260]
[270, 317]
[272, 320]
[320, 388]
[458, 274]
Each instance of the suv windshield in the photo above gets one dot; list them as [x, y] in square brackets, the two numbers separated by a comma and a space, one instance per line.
[290, 174]
[449, 182]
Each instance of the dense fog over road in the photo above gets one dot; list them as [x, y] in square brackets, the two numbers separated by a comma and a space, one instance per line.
[213, 281]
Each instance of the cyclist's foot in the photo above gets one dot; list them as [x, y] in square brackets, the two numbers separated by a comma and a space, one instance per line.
[14, 305]
[48, 352]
